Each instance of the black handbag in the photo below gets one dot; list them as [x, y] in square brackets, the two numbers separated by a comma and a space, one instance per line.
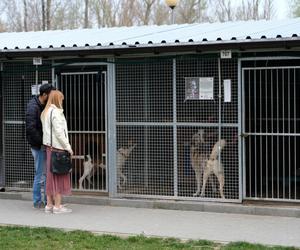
[61, 162]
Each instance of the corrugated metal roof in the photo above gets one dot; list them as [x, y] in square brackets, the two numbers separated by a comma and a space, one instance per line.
[165, 34]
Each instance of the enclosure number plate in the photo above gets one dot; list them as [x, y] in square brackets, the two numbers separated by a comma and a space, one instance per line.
[225, 54]
[37, 61]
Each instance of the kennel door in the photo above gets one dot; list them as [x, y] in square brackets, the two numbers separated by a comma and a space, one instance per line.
[85, 110]
[271, 133]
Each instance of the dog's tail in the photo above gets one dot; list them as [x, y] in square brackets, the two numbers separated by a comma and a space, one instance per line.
[217, 149]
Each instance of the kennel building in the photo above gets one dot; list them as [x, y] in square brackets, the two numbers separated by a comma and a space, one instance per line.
[185, 112]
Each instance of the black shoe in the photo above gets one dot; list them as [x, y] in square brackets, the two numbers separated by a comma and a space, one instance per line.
[2, 189]
[39, 205]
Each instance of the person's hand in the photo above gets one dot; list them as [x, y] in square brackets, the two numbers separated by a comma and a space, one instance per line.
[71, 152]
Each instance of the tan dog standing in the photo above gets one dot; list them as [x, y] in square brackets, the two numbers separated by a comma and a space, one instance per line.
[214, 166]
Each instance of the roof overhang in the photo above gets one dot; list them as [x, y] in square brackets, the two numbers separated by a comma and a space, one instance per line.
[118, 50]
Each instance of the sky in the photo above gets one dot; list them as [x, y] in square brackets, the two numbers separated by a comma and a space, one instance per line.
[281, 9]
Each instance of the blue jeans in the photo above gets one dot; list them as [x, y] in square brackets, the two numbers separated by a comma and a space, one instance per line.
[39, 182]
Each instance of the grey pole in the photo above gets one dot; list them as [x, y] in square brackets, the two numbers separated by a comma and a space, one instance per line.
[172, 15]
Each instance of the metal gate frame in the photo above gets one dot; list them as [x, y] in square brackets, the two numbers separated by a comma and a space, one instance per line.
[242, 123]
[109, 133]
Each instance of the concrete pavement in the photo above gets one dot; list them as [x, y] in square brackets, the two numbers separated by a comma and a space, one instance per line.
[222, 227]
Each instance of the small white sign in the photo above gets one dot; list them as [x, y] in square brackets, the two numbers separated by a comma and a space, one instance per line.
[35, 89]
[227, 90]
[44, 82]
[225, 54]
[206, 88]
[37, 61]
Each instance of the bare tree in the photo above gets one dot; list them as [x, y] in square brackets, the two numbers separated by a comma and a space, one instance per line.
[48, 14]
[250, 10]
[245, 11]
[223, 10]
[67, 15]
[161, 13]
[295, 8]
[255, 9]
[127, 16]
[43, 15]
[145, 9]
[268, 9]
[35, 19]
[105, 12]
[96, 10]
[25, 15]
[190, 11]
[86, 14]
[13, 15]
[2, 26]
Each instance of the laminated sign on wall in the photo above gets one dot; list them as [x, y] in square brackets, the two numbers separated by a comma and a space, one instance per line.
[206, 88]
[199, 88]
[191, 88]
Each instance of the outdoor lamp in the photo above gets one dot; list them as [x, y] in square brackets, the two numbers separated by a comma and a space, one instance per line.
[172, 4]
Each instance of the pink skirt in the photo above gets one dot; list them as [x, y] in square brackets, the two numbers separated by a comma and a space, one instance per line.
[56, 184]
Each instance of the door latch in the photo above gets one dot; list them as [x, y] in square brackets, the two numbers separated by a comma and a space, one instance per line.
[244, 135]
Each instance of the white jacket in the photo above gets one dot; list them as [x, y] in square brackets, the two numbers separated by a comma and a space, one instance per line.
[60, 138]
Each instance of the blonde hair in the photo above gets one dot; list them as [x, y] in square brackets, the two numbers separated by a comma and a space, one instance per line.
[56, 97]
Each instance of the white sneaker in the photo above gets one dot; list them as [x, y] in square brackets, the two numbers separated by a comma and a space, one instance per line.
[61, 210]
[48, 209]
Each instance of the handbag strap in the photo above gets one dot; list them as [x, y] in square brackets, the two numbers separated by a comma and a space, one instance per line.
[51, 128]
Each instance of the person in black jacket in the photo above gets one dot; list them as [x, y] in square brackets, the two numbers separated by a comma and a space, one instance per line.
[34, 134]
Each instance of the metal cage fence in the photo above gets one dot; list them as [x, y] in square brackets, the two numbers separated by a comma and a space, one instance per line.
[193, 154]
[2, 173]
[148, 168]
[156, 117]
[166, 131]
[144, 92]
[17, 79]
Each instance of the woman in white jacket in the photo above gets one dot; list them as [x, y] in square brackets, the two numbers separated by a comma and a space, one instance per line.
[56, 185]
